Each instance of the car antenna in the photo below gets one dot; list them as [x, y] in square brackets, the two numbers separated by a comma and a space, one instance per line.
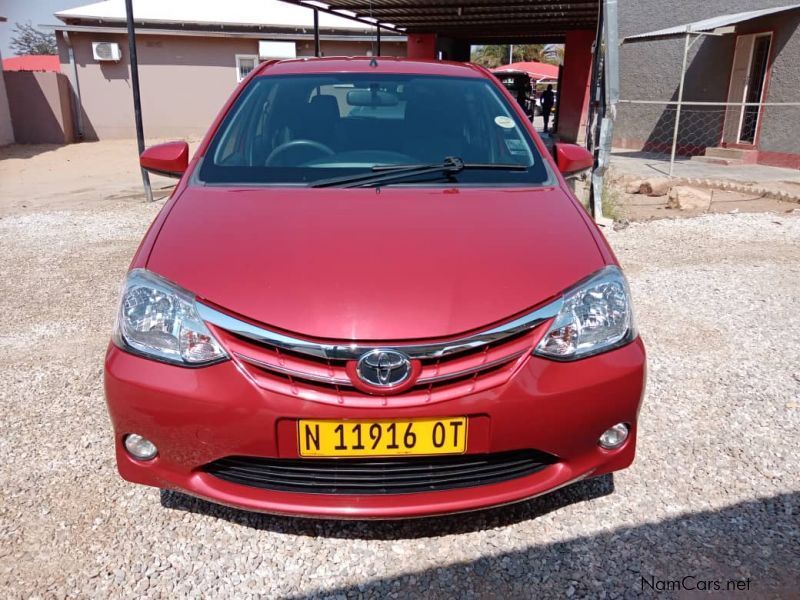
[374, 61]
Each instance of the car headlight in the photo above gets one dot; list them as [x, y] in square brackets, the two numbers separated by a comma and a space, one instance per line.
[595, 316]
[159, 320]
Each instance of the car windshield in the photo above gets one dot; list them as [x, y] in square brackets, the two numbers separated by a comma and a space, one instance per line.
[303, 129]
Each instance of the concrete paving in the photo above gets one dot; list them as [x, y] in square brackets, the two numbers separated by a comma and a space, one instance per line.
[639, 164]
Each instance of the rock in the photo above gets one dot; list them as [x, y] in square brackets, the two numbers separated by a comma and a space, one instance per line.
[621, 224]
[633, 187]
[658, 186]
[685, 197]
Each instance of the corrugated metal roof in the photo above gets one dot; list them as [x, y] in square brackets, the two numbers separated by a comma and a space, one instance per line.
[711, 24]
[479, 21]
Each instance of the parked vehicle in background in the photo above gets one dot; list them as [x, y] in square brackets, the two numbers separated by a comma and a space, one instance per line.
[372, 294]
[519, 85]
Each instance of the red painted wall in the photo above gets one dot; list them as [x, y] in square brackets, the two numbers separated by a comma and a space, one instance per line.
[573, 95]
[421, 46]
[778, 159]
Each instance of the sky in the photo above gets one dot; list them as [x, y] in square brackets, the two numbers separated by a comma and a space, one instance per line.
[38, 12]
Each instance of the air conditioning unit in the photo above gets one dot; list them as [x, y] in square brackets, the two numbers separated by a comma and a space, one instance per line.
[106, 51]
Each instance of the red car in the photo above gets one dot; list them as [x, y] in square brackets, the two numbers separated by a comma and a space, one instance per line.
[372, 295]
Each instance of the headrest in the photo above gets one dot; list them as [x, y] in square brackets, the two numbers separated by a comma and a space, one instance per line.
[325, 105]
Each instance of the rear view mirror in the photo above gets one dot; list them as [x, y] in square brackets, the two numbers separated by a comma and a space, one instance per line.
[572, 158]
[371, 98]
[170, 159]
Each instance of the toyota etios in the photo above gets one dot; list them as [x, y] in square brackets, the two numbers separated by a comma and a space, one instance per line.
[372, 295]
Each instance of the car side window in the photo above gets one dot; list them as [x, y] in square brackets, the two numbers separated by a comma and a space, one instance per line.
[229, 148]
[239, 146]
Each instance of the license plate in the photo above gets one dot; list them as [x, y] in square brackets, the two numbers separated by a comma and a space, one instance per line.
[384, 437]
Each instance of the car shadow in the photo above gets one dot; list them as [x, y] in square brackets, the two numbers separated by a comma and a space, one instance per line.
[502, 516]
[745, 550]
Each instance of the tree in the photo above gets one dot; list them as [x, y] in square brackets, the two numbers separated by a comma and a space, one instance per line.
[26, 39]
[556, 54]
[497, 55]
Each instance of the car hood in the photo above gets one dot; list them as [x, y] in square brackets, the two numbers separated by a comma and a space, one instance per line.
[368, 264]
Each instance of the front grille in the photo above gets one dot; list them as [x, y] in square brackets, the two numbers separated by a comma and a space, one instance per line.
[320, 370]
[381, 476]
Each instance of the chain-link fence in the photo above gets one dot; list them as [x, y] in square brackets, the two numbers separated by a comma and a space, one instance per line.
[649, 127]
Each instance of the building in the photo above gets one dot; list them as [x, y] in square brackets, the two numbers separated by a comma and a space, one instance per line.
[742, 76]
[35, 101]
[191, 56]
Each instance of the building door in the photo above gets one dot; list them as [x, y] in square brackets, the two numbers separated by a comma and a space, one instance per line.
[748, 74]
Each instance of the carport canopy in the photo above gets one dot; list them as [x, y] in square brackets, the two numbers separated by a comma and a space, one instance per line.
[719, 24]
[588, 28]
[476, 21]
[579, 24]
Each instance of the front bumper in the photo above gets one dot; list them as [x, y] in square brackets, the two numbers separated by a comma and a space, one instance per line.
[196, 416]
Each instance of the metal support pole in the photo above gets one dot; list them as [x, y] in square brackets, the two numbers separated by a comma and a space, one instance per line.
[686, 46]
[611, 63]
[608, 109]
[137, 102]
[317, 51]
[596, 95]
[510, 53]
[378, 41]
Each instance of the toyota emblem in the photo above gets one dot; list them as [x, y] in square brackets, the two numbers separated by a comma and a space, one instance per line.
[383, 368]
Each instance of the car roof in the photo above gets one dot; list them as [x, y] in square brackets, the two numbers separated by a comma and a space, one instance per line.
[511, 73]
[365, 64]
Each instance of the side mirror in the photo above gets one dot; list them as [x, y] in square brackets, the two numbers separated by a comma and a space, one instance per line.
[170, 159]
[572, 158]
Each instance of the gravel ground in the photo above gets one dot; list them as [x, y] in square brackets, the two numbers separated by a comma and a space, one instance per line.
[714, 492]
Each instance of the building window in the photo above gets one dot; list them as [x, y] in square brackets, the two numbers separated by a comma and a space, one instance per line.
[244, 64]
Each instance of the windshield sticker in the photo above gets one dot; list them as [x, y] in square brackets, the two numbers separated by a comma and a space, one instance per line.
[505, 122]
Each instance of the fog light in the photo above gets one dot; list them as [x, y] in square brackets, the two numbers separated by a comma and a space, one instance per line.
[140, 448]
[614, 437]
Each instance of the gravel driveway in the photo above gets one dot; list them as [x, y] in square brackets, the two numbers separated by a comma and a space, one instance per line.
[714, 492]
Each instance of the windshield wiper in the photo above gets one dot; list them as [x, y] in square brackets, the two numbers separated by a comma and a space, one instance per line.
[388, 173]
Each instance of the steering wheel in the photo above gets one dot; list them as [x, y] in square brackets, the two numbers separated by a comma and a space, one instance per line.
[306, 144]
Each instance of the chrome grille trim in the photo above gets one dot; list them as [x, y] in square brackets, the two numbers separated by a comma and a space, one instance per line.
[471, 370]
[292, 372]
[354, 351]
